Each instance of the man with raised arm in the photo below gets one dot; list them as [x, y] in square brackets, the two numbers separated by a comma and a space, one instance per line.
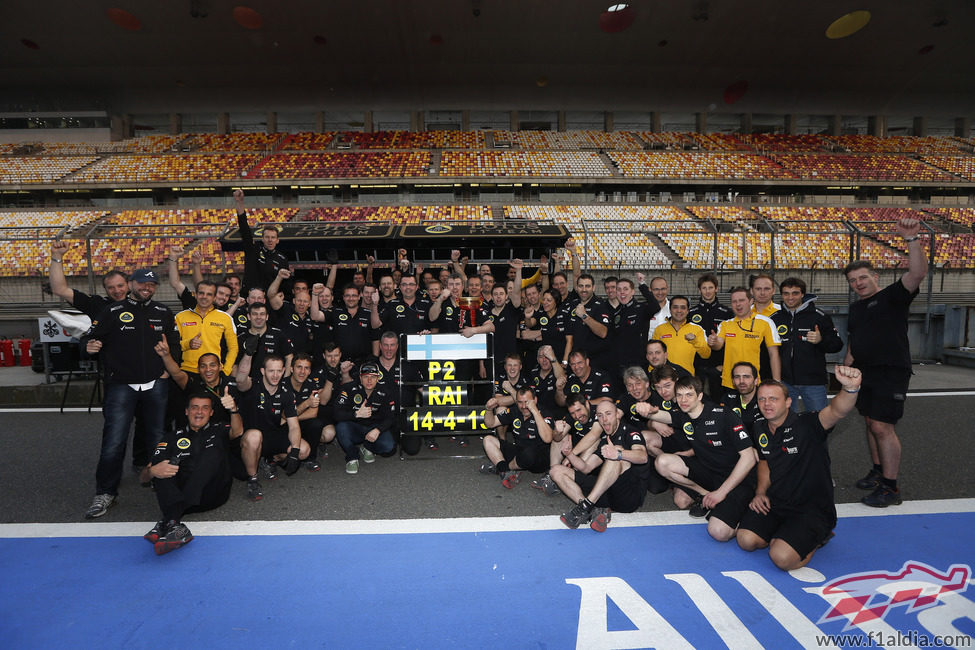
[879, 347]
[262, 261]
[792, 513]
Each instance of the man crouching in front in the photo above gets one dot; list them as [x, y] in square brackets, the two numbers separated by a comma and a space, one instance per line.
[191, 471]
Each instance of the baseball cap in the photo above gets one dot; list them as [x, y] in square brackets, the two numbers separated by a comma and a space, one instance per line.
[369, 369]
[144, 275]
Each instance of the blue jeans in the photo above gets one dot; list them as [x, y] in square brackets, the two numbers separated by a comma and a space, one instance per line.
[813, 397]
[351, 434]
[119, 409]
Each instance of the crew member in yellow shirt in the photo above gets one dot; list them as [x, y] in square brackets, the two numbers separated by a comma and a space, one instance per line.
[684, 340]
[742, 336]
[203, 328]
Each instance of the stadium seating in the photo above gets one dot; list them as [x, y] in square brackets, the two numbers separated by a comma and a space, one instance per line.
[400, 214]
[413, 140]
[345, 165]
[729, 214]
[896, 144]
[962, 216]
[702, 141]
[665, 164]
[233, 142]
[780, 142]
[568, 140]
[40, 169]
[308, 141]
[851, 167]
[522, 164]
[163, 168]
[27, 251]
[961, 166]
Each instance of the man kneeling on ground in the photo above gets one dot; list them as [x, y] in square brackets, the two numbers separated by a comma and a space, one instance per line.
[718, 470]
[793, 513]
[190, 470]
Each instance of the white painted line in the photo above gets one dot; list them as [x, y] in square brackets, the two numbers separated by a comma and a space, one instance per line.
[415, 526]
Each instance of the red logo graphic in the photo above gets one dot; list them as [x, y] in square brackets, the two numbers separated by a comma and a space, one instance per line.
[870, 595]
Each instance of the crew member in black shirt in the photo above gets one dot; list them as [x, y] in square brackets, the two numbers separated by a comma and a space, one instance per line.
[792, 513]
[261, 261]
[720, 469]
[190, 470]
[620, 483]
[744, 399]
[594, 384]
[260, 340]
[526, 445]
[364, 416]
[879, 347]
[708, 313]
[270, 420]
[631, 324]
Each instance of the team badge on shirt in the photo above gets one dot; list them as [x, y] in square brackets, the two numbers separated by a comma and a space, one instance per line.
[763, 441]
[688, 428]
[183, 443]
[126, 317]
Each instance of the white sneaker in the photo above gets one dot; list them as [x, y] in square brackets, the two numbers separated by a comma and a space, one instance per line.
[100, 505]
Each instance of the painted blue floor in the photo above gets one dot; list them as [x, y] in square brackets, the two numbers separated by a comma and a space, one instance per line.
[446, 589]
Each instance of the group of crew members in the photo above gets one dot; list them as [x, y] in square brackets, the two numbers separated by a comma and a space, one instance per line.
[603, 399]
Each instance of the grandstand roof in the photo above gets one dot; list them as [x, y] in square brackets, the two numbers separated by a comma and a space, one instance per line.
[912, 58]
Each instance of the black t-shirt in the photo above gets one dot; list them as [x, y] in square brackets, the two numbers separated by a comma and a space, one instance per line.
[505, 328]
[584, 338]
[878, 328]
[399, 317]
[631, 323]
[184, 446]
[749, 412]
[716, 436]
[544, 390]
[597, 384]
[523, 430]
[449, 320]
[263, 410]
[579, 430]
[553, 330]
[299, 330]
[798, 461]
[272, 341]
[352, 396]
[89, 305]
[306, 390]
[627, 403]
[352, 332]
[626, 435]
